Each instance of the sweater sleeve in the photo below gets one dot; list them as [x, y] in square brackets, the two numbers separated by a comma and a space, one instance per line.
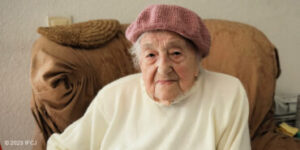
[85, 133]
[236, 135]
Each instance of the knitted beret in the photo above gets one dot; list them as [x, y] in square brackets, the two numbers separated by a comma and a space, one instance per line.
[171, 18]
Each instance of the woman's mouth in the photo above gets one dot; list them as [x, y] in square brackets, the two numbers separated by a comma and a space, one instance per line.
[165, 82]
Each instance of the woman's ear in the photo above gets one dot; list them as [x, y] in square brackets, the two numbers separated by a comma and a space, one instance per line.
[198, 68]
[138, 64]
[196, 73]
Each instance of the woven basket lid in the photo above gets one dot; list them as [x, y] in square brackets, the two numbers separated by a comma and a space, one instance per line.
[90, 34]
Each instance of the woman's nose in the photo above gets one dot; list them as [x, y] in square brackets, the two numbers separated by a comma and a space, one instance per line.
[164, 65]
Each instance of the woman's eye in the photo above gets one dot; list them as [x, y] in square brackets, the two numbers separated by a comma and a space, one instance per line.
[176, 53]
[150, 55]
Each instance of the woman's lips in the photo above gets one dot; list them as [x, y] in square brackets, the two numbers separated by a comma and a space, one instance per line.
[165, 82]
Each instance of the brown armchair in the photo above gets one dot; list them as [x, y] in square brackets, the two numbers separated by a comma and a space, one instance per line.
[71, 63]
[246, 53]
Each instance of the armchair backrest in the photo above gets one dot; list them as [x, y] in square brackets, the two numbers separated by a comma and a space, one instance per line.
[246, 53]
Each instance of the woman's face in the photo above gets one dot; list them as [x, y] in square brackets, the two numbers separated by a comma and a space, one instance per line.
[169, 65]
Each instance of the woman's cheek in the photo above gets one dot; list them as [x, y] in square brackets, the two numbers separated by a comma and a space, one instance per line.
[186, 76]
[181, 71]
[148, 72]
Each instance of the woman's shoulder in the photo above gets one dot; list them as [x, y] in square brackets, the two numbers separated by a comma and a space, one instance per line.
[220, 79]
[128, 81]
[226, 87]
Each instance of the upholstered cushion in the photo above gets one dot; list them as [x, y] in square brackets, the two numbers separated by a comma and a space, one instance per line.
[90, 34]
[245, 52]
[65, 79]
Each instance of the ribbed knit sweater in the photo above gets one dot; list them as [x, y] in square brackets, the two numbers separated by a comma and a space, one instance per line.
[212, 115]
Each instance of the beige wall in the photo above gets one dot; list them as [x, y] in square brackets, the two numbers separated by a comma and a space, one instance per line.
[279, 20]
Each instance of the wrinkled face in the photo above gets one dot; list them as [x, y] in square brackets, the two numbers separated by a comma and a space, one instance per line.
[169, 65]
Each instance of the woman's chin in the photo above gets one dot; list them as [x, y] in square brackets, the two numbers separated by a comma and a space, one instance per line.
[165, 102]
[166, 99]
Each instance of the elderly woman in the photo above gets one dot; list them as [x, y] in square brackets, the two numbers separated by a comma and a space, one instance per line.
[173, 103]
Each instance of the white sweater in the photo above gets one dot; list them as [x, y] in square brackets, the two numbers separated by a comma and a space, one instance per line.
[213, 115]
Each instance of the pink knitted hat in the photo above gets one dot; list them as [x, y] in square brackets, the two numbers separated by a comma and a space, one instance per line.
[171, 18]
